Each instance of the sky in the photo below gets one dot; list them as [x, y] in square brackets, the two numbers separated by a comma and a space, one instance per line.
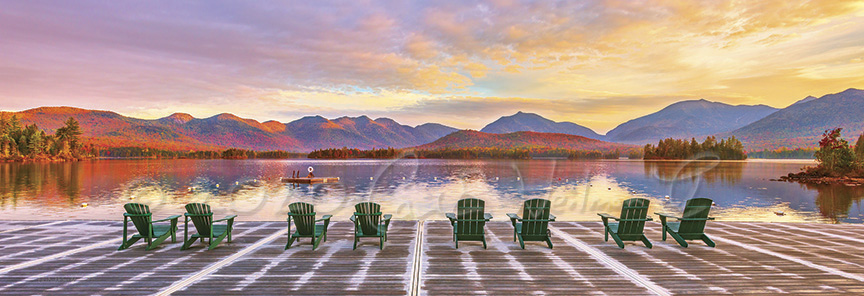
[460, 63]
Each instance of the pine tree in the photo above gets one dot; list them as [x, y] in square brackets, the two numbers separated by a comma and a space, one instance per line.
[859, 148]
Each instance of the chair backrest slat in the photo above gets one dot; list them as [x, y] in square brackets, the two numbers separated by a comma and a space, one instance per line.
[470, 216]
[142, 223]
[202, 217]
[532, 211]
[695, 208]
[634, 208]
[368, 215]
[303, 215]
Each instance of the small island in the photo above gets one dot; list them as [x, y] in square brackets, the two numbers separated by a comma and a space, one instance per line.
[838, 163]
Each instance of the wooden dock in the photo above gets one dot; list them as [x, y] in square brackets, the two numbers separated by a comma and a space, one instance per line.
[310, 180]
[80, 258]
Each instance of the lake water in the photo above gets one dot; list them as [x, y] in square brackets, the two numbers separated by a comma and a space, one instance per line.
[418, 189]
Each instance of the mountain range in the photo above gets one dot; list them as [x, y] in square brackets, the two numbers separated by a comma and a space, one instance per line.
[801, 124]
[758, 126]
[688, 119]
[182, 131]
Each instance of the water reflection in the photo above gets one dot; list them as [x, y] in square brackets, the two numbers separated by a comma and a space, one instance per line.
[416, 189]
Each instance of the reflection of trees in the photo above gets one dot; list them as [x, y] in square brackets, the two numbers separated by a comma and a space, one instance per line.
[711, 171]
[835, 201]
[46, 180]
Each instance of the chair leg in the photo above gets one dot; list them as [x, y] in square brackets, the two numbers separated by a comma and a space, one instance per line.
[290, 242]
[381, 246]
[457, 242]
[646, 242]
[484, 242]
[707, 240]
[215, 243]
[617, 240]
[605, 234]
[187, 244]
[157, 242]
[678, 239]
[355, 243]
[521, 242]
[128, 243]
[549, 241]
[664, 232]
[317, 242]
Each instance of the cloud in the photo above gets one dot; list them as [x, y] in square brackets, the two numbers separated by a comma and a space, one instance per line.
[598, 63]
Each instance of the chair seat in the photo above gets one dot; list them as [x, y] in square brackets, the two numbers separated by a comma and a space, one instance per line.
[319, 229]
[218, 230]
[613, 227]
[382, 229]
[159, 230]
[519, 230]
[455, 227]
[673, 226]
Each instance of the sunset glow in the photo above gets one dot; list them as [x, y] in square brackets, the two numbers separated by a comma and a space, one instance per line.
[595, 63]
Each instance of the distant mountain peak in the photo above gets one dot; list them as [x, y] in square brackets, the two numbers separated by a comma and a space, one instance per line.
[532, 122]
[179, 118]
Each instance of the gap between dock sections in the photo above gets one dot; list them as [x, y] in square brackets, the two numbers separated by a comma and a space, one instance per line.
[33, 226]
[216, 266]
[613, 264]
[418, 257]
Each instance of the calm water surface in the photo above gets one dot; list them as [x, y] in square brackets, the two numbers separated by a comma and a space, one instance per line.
[418, 189]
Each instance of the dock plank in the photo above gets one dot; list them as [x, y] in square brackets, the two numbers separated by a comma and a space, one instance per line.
[797, 260]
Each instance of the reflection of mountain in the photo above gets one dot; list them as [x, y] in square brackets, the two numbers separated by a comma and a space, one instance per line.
[835, 201]
[524, 140]
[727, 173]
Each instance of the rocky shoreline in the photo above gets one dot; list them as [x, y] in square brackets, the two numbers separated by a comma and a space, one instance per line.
[809, 178]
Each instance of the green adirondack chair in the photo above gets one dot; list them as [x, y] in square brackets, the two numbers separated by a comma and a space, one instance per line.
[469, 221]
[691, 225]
[202, 218]
[142, 218]
[631, 224]
[369, 222]
[303, 215]
[535, 224]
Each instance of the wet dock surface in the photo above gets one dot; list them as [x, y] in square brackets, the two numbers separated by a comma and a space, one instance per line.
[81, 258]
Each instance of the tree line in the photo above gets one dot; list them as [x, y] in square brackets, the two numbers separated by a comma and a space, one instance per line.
[461, 153]
[727, 149]
[231, 153]
[23, 143]
[784, 153]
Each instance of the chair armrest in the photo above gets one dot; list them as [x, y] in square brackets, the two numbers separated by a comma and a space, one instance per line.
[175, 217]
[353, 218]
[387, 217]
[514, 217]
[552, 217]
[711, 218]
[668, 215]
[226, 218]
[450, 216]
[607, 216]
[487, 216]
[324, 218]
